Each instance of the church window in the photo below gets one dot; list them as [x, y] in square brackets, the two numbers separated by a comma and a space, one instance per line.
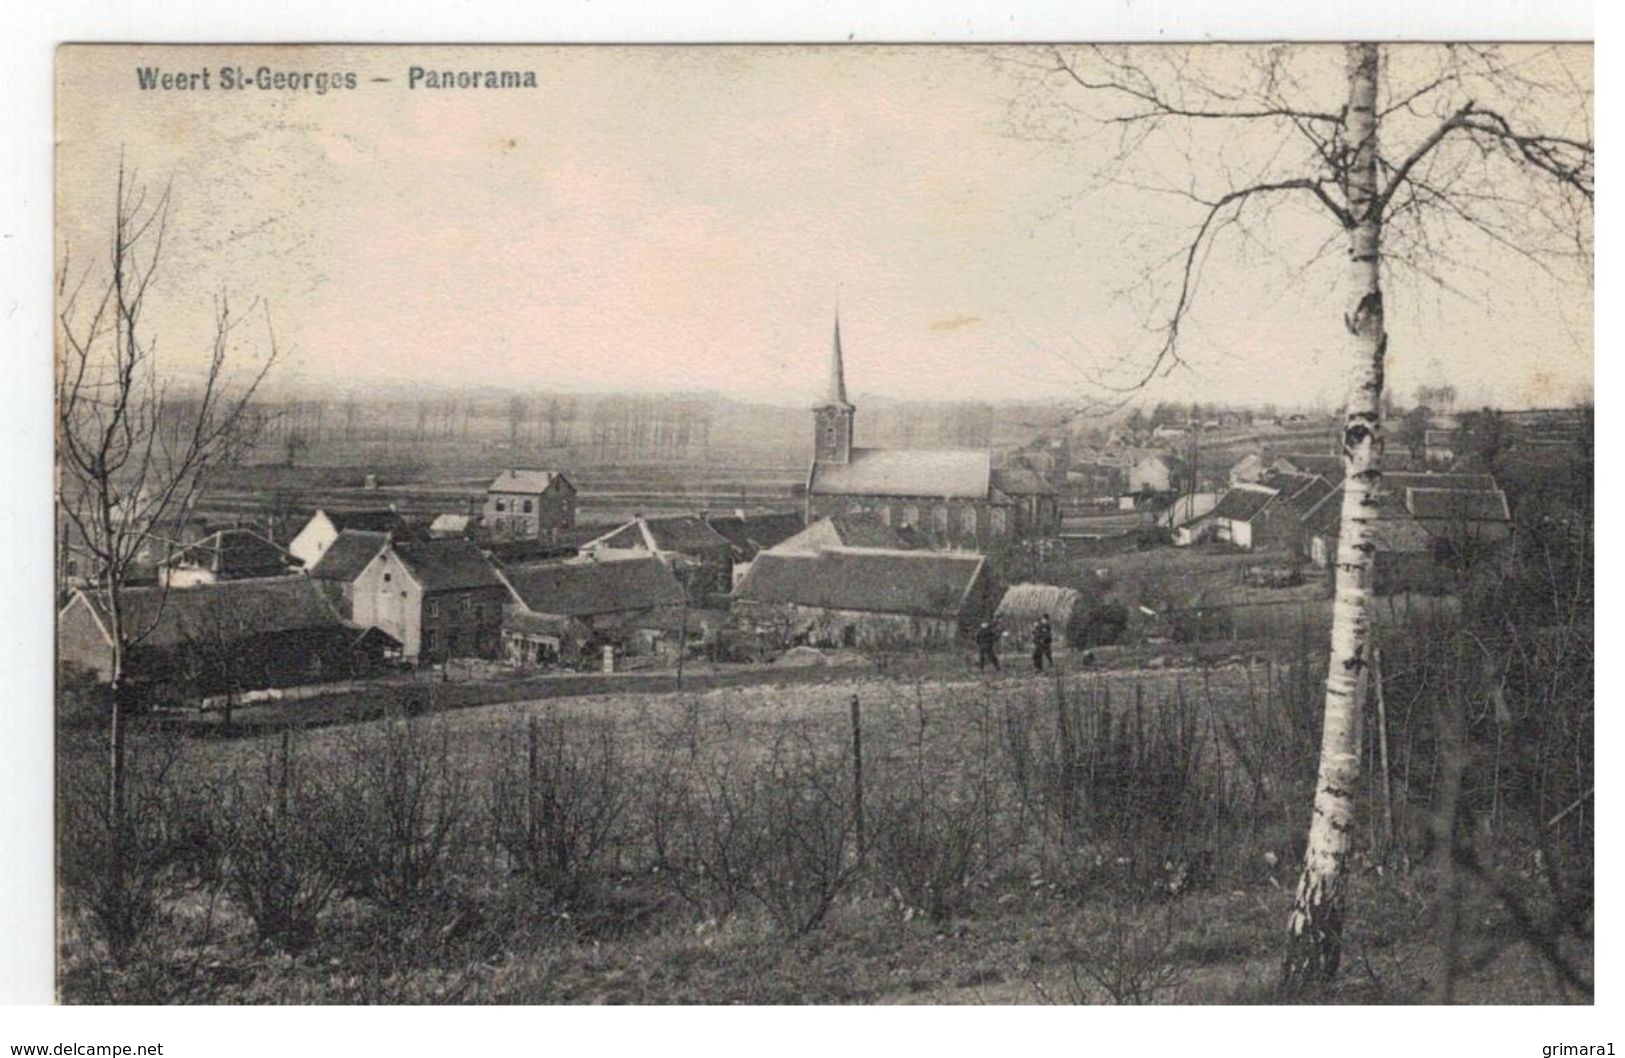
[911, 515]
[967, 521]
[939, 518]
[885, 514]
[1000, 522]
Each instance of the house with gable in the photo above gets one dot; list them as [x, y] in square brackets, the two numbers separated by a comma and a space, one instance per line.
[699, 556]
[312, 541]
[440, 598]
[566, 612]
[229, 554]
[528, 504]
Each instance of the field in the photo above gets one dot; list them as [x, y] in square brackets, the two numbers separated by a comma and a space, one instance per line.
[1129, 836]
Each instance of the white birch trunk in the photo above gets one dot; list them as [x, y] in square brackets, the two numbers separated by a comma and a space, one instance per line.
[1315, 928]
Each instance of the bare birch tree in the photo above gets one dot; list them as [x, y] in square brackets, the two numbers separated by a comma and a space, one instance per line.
[1464, 147]
[133, 453]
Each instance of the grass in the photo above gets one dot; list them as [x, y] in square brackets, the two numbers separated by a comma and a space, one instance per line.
[1039, 920]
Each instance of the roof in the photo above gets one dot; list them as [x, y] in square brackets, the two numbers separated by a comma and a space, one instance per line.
[946, 473]
[1399, 481]
[683, 533]
[1323, 518]
[372, 521]
[1303, 499]
[1328, 464]
[348, 555]
[1026, 601]
[228, 608]
[849, 530]
[584, 587]
[919, 583]
[1299, 491]
[1457, 505]
[1242, 503]
[447, 565]
[234, 552]
[748, 534]
[1021, 481]
[1428, 497]
[451, 523]
[530, 482]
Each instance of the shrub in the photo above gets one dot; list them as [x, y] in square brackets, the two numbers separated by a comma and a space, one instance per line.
[286, 847]
[1102, 625]
[114, 870]
[557, 804]
[405, 810]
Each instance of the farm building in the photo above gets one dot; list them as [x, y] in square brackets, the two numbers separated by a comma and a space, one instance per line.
[1424, 523]
[749, 534]
[440, 598]
[1328, 465]
[1149, 472]
[1237, 513]
[446, 526]
[699, 556]
[566, 611]
[847, 530]
[324, 527]
[525, 504]
[1282, 521]
[343, 562]
[950, 495]
[865, 597]
[1033, 500]
[221, 638]
[230, 554]
[1023, 604]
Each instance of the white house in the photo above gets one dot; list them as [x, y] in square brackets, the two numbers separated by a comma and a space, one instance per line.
[324, 527]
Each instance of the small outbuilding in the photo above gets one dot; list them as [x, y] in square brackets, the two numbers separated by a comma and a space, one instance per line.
[1024, 604]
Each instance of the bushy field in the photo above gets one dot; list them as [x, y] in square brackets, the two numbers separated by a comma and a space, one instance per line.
[1114, 837]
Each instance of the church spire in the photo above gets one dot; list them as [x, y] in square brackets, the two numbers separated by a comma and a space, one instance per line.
[837, 371]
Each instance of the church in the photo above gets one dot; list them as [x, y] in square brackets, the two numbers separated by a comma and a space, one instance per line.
[952, 496]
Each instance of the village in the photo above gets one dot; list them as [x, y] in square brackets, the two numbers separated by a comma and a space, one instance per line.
[990, 525]
[1151, 535]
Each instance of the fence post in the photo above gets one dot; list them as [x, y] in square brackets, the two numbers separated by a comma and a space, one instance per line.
[283, 779]
[532, 768]
[857, 777]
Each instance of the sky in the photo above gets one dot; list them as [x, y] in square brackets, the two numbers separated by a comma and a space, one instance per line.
[658, 219]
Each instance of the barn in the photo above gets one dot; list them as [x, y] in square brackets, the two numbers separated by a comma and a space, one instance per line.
[865, 597]
[226, 637]
[567, 611]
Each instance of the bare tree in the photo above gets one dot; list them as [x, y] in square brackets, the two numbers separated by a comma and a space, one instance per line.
[132, 455]
[1464, 144]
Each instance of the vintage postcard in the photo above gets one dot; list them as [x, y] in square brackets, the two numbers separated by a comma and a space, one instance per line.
[1015, 524]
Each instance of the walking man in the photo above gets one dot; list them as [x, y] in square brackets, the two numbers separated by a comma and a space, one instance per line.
[987, 642]
[1043, 635]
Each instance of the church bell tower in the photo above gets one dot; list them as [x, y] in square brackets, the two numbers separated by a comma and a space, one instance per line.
[832, 419]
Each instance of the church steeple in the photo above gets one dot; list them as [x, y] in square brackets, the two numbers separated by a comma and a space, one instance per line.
[832, 419]
[837, 370]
